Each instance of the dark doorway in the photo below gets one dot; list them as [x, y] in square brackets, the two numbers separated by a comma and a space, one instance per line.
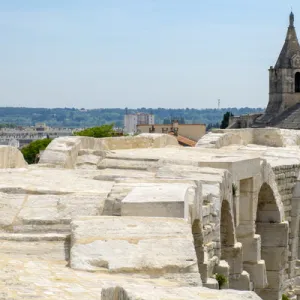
[297, 82]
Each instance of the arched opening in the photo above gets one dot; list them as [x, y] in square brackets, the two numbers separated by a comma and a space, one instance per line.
[274, 241]
[199, 248]
[229, 253]
[297, 82]
[227, 229]
[267, 210]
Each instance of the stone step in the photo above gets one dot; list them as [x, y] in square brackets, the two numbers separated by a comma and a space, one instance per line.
[41, 228]
[34, 237]
[54, 247]
[126, 164]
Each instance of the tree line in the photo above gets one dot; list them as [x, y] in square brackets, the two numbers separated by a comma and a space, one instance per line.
[82, 118]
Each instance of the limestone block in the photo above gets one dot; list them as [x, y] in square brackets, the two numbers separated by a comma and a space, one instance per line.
[236, 209]
[234, 257]
[144, 140]
[89, 159]
[240, 282]
[143, 292]
[239, 168]
[10, 205]
[246, 229]
[275, 257]
[223, 268]
[273, 234]
[257, 273]
[51, 209]
[251, 248]
[247, 206]
[126, 164]
[33, 247]
[159, 200]
[272, 294]
[11, 157]
[296, 190]
[62, 151]
[211, 283]
[51, 181]
[153, 246]
[275, 279]
[207, 268]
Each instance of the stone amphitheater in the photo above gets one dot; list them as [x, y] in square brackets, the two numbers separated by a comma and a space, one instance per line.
[144, 218]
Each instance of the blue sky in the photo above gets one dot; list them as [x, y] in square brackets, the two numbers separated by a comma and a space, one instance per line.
[140, 53]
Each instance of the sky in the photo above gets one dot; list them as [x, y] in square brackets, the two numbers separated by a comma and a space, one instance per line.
[140, 53]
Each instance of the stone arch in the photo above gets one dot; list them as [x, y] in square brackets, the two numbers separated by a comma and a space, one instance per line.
[227, 232]
[297, 82]
[230, 254]
[199, 248]
[274, 241]
[267, 209]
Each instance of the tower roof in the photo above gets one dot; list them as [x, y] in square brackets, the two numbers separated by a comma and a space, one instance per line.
[290, 47]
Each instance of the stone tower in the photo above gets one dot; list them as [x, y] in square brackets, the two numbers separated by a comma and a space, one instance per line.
[284, 78]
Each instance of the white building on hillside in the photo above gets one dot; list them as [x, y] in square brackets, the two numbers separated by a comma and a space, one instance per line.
[132, 120]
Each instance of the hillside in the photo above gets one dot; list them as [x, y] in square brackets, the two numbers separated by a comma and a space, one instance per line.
[72, 117]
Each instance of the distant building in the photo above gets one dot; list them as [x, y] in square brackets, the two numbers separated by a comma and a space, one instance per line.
[19, 137]
[131, 121]
[193, 132]
[41, 127]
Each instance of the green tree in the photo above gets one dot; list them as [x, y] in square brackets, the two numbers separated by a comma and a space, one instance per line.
[106, 130]
[225, 121]
[31, 151]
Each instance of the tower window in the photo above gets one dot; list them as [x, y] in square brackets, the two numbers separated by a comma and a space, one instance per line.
[297, 82]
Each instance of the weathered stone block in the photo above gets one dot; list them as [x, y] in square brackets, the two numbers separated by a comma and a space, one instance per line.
[273, 234]
[257, 273]
[211, 283]
[272, 294]
[154, 246]
[159, 200]
[245, 229]
[234, 257]
[275, 279]
[251, 248]
[275, 258]
[240, 282]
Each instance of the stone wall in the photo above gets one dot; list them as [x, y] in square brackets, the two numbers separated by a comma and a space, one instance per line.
[64, 151]
[11, 157]
[273, 137]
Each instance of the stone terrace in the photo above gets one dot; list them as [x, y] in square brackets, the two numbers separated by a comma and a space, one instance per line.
[151, 219]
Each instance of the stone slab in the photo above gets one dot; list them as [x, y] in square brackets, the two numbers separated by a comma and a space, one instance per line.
[164, 200]
[158, 247]
[133, 292]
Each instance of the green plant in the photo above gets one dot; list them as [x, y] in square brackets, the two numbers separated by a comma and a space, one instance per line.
[106, 130]
[221, 280]
[234, 189]
[225, 121]
[284, 297]
[31, 151]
